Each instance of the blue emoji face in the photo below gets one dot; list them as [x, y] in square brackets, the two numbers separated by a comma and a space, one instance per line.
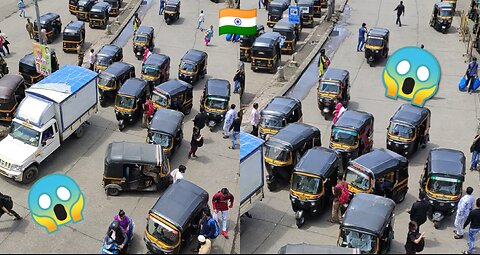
[55, 200]
[412, 74]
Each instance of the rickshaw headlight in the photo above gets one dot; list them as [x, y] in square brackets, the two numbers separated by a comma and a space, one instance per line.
[452, 204]
[312, 204]
[292, 199]
[376, 51]
[405, 146]
[430, 201]
[389, 143]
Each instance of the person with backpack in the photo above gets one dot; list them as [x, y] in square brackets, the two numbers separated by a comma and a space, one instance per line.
[6, 206]
[208, 228]
[220, 204]
[473, 220]
[415, 241]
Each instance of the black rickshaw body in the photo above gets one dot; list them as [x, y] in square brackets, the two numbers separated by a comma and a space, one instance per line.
[409, 128]
[115, 6]
[451, 2]
[333, 87]
[304, 248]
[143, 37]
[156, 69]
[52, 24]
[172, 11]
[3, 67]
[110, 80]
[166, 129]
[73, 36]
[83, 9]
[193, 66]
[377, 44]
[381, 172]
[173, 94]
[442, 16]
[72, 6]
[306, 12]
[107, 55]
[27, 69]
[442, 179]
[279, 112]
[130, 100]
[317, 7]
[12, 92]
[215, 99]
[275, 11]
[98, 16]
[266, 52]
[246, 43]
[285, 149]
[368, 224]
[174, 218]
[287, 30]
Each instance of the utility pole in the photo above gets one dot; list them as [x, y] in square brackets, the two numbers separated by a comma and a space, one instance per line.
[330, 9]
[39, 26]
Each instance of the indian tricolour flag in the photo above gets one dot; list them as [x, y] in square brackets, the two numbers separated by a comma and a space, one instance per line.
[239, 22]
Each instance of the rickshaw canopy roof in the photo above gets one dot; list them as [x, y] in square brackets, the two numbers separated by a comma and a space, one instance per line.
[156, 59]
[381, 161]
[369, 213]
[447, 162]
[318, 161]
[144, 30]
[280, 3]
[74, 27]
[133, 87]
[335, 74]
[85, 2]
[304, 248]
[47, 18]
[411, 114]
[179, 202]
[172, 2]
[100, 6]
[195, 56]
[8, 85]
[248, 144]
[113, 3]
[217, 87]
[118, 68]
[378, 32]
[109, 50]
[294, 135]
[133, 153]
[305, 3]
[444, 5]
[354, 120]
[284, 25]
[28, 60]
[166, 121]
[267, 39]
[280, 106]
[173, 87]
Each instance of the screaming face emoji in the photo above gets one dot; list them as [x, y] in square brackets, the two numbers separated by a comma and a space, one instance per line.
[55, 200]
[412, 74]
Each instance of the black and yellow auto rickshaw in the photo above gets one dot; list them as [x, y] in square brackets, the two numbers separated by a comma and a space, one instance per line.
[317, 7]
[174, 94]
[110, 80]
[156, 69]
[12, 91]
[175, 217]
[279, 112]
[288, 31]
[28, 70]
[304, 248]
[193, 66]
[452, 2]
[129, 167]
[172, 11]
[143, 37]
[246, 43]
[306, 12]
[381, 172]
[72, 6]
[312, 181]
[166, 130]
[73, 36]
[3, 67]
[409, 128]
[115, 6]
[284, 150]
[83, 8]
[377, 44]
[368, 224]
[98, 16]
[333, 87]
[442, 16]
[52, 24]
[107, 55]
[215, 100]
[266, 52]
[275, 11]
[130, 100]
[442, 181]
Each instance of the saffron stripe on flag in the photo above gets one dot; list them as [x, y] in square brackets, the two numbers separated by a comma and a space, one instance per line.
[237, 13]
[237, 30]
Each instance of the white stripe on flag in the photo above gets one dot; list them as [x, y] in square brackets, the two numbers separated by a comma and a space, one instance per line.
[230, 21]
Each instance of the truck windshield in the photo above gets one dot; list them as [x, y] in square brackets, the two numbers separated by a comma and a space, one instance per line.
[24, 134]
[160, 139]
[444, 186]
[364, 242]
[306, 184]
[160, 99]
[162, 232]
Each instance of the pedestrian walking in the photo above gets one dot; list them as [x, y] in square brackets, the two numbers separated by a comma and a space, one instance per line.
[81, 55]
[229, 117]
[255, 119]
[238, 80]
[339, 109]
[6, 206]
[29, 28]
[471, 73]
[43, 36]
[5, 41]
[323, 62]
[205, 245]
[201, 20]
[475, 150]
[266, 3]
[146, 53]
[208, 36]
[220, 205]
[148, 111]
[162, 7]
[418, 212]
[465, 206]
[1, 48]
[414, 238]
[341, 197]
[136, 22]
[91, 60]
[362, 33]
[200, 120]
[177, 174]
[473, 220]
[207, 228]
[237, 122]
[195, 142]
[260, 4]
[400, 10]
[21, 6]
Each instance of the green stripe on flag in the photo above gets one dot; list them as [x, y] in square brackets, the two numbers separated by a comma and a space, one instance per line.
[237, 30]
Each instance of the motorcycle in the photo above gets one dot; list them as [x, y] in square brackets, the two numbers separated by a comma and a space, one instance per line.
[110, 246]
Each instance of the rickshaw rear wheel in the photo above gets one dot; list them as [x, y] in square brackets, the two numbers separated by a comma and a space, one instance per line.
[113, 192]
[30, 174]
[187, 111]
[103, 103]
[436, 224]
[400, 197]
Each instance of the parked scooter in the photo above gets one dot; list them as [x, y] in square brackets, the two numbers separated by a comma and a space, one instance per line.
[114, 238]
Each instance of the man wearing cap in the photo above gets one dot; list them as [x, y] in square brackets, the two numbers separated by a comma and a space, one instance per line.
[205, 245]
[220, 204]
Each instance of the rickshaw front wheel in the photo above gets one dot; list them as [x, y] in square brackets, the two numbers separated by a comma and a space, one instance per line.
[400, 197]
[113, 192]
[300, 221]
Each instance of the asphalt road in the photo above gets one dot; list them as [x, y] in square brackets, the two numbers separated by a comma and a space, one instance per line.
[454, 124]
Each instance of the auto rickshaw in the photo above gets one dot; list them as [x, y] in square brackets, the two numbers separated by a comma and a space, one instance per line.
[246, 43]
[107, 55]
[166, 129]
[334, 87]
[130, 100]
[312, 181]
[98, 15]
[175, 218]
[275, 11]
[279, 112]
[72, 6]
[317, 7]
[73, 36]
[172, 11]
[83, 8]
[110, 80]
[381, 172]
[156, 69]
[126, 164]
[52, 23]
[303, 248]
[306, 12]
[3, 67]
[409, 128]
[452, 2]
[288, 31]
[215, 101]
[442, 16]
[144, 36]
[115, 6]
[442, 181]
[12, 92]
[174, 94]
[28, 70]
[377, 44]
[368, 224]
[266, 52]
[284, 150]
[193, 66]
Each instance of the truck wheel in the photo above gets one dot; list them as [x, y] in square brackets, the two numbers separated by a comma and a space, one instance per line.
[113, 192]
[30, 174]
[79, 132]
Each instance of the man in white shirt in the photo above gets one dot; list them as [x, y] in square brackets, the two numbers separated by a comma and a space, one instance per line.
[465, 205]
[201, 19]
[177, 174]
[255, 119]
[229, 117]
[91, 59]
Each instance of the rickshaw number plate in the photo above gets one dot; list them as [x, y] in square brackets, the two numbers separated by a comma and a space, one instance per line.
[304, 9]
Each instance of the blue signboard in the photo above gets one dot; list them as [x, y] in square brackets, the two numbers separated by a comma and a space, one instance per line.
[294, 14]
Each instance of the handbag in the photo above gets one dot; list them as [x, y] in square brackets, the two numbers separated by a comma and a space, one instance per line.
[476, 83]
[462, 85]
[200, 142]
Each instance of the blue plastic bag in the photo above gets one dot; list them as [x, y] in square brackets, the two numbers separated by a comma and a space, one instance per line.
[462, 85]
[236, 38]
[476, 83]
[228, 37]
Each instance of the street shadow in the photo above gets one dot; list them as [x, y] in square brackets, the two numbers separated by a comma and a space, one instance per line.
[420, 156]
[352, 105]
[17, 226]
[178, 22]
[247, 98]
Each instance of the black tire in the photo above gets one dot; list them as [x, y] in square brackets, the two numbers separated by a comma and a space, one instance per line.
[272, 186]
[113, 192]
[103, 103]
[187, 111]
[300, 222]
[30, 174]
[79, 132]
[436, 224]
[400, 197]
[121, 126]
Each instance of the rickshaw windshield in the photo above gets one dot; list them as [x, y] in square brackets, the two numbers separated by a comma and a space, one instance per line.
[330, 87]
[306, 184]
[373, 41]
[217, 103]
[262, 53]
[364, 242]
[245, 41]
[400, 130]
[446, 13]
[274, 10]
[270, 122]
[8, 104]
[162, 232]
[189, 67]
[105, 80]
[444, 185]
[344, 137]
[358, 179]
[104, 61]
[150, 70]
[160, 99]
[171, 8]
[277, 153]
[71, 37]
[161, 139]
[24, 134]
[141, 38]
[125, 102]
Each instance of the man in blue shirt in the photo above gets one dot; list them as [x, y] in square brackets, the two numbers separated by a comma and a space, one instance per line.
[361, 36]
[471, 74]
[162, 7]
